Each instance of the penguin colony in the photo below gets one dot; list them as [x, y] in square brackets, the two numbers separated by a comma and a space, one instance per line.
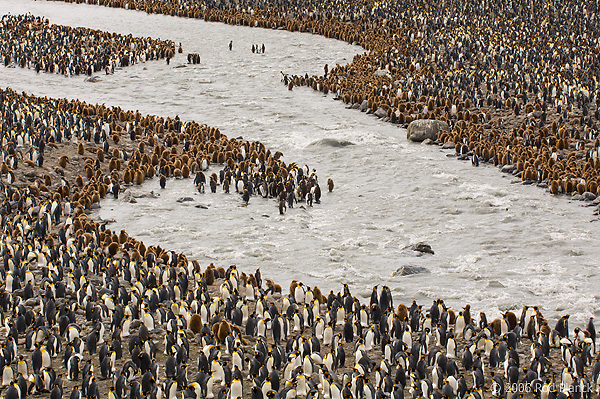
[31, 42]
[80, 322]
[517, 82]
[68, 280]
[87, 312]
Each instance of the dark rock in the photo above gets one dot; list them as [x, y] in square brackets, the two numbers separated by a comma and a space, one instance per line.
[587, 196]
[421, 247]
[381, 113]
[409, 270]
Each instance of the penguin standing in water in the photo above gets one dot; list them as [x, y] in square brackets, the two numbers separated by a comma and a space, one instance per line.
[282, 206]
[291, 197]
[162, 181]
[330, 184]
[317, 193]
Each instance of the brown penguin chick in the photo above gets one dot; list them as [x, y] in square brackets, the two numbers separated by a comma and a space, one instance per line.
[496, 326]
[318, 295]
[62, 161]
[402, 312]
[511, 320]
[554, 187]
[243, 279]
[467, 315]
[451, 316]
[209, 275]
[80, 149]
[221, 331]
[330, 184]
[545, 328]
[139, 177]
[293, 286]
[123, 236]
[113, 248]
[195, 323]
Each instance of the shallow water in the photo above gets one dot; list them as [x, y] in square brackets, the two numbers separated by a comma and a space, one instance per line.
[497, 245]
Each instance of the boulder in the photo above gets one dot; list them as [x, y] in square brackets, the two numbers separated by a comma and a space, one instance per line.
[381, 113]
[587, 196]
[410, 270]
[421, 247]
[364, 105]
[422, 129]
[508, 168]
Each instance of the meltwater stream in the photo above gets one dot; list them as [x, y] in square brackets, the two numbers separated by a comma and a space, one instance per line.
[497, 245]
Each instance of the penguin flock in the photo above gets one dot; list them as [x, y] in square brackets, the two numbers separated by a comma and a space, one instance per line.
[87, 312]
[517, 82]
[81, 323]
[82, 307]
[32, 42]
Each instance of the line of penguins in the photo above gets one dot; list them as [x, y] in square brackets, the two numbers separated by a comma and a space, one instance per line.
[73, 315]
[32, 42]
